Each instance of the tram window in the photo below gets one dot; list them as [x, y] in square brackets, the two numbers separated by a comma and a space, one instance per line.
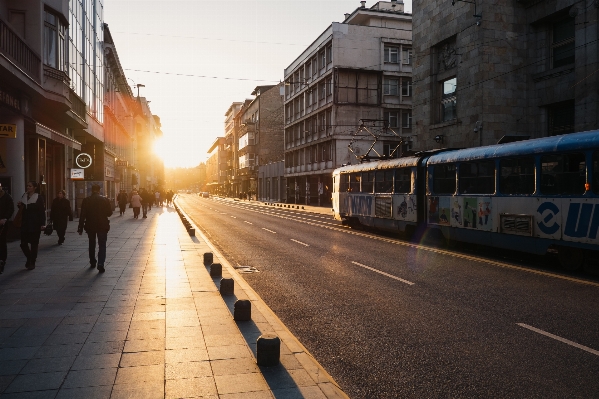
[563, 174]
[477, 177]
[517, 176]
[354, 182]
[596, 172]
[403, 181]
[384, 181]
[444, 179]
[343, 183]
[367, 182]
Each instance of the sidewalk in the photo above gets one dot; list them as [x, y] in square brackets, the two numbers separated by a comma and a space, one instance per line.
[153, 326]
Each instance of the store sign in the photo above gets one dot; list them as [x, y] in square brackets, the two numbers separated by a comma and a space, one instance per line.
[10, 100]
[77, 174]
[109, 173]
[8, 131]
[123, 164]
[83, 160]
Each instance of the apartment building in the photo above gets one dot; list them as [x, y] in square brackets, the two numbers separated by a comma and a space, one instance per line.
[487, 72]
[217, 167]
[260, 136]
[231, 187]
[348, 97]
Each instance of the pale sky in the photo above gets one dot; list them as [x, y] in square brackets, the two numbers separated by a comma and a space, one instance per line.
[203, 55]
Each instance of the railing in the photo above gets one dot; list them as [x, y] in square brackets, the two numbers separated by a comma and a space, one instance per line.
[78, 104]
[17, 51]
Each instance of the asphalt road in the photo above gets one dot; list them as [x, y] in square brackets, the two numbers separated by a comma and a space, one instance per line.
[393, 319]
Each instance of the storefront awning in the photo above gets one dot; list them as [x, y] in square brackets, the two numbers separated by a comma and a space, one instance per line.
[58, 137]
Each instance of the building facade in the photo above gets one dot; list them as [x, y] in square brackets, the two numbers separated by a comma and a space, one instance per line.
[231, 187]
[260, 136]
[487, 72]
[40, 111]
[348, 97]
[217, 167]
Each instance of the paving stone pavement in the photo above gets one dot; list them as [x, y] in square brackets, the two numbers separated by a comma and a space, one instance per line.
[154, 325]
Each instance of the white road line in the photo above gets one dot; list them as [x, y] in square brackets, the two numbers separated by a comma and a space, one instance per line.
[245, 221]
[383, 273]
[270, 231]
[299, 242]
[565, 341]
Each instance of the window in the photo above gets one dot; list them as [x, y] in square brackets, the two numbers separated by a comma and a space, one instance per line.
[444, 181]
[329, 86]
[354, 182]
[403, 181]
[322, 88]
[329, 54]
[344, 182]
[563, 174]
[367, 182]
[55, 50]
[390, 87]
[406, 119]
[562, 47]
[406, 56]
[596, 172]
[391, 55]
[448, 100]
[406, 88]
[315, 66]
[391, 150]
[392, 118]
[384, 181]
[517, 176]
[323, 59]
[477, 177]
[561, 118]
[308, 68]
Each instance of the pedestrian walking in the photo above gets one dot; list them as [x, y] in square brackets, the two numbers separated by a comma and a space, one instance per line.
[122, 199]
[60, 214]
[157, 198]
[7, 208]
[169, 197]
[33, 209]
[146, 201]
[95, 211]
[135, 203]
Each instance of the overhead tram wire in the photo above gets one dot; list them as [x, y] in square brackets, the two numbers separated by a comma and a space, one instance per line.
[200, 76]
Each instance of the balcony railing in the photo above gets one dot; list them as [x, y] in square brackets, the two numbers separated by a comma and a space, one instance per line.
[78, 106]
[17, 51]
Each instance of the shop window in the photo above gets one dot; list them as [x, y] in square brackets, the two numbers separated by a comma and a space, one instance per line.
[517, 176]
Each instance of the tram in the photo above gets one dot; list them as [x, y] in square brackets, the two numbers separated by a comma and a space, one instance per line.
[533, 196]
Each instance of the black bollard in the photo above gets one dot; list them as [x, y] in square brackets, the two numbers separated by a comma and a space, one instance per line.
[227, 286]
[208, 258]
[268, 350]
[216, 270]
[192, 231]
[242, 310]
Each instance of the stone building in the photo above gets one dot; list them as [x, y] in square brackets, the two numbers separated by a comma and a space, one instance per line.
[488, 72]
[217, 166]
[259, 128]
[231, 188]
[348, 97]
[119, 108]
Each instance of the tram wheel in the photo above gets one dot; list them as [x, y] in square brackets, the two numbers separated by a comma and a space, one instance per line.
[570, 259]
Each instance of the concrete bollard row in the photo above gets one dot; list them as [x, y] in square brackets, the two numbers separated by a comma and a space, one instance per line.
[242, 311]
[216, 270]
[227, 286]
[268, 350]
[208, 258]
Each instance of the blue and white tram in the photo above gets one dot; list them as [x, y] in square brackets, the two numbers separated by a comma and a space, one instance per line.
[533, 196]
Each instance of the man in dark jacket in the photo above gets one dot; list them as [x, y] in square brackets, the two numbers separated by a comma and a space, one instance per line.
[7, 208]
[33, 209]
[95, 211]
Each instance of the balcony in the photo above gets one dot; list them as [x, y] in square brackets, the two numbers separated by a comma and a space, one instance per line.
[18, 52]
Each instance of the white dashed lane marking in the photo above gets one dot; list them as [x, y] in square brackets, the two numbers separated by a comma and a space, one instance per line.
[560, 339]
[299, 242]
[383, 273]
[270, 231]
